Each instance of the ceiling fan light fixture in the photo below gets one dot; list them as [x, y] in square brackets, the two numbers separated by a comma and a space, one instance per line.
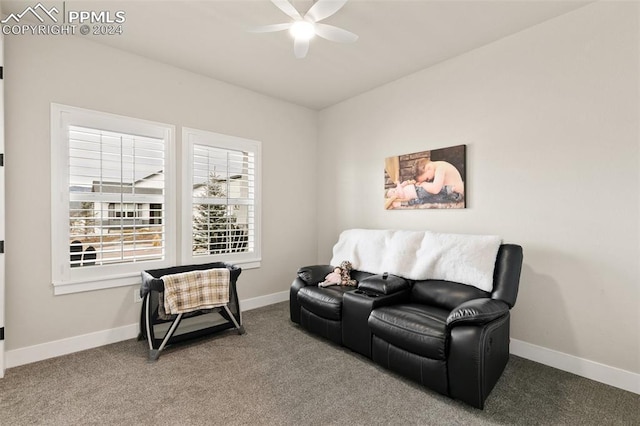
[302, 30]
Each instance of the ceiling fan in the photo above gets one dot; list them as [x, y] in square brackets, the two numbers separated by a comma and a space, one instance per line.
[304, 28]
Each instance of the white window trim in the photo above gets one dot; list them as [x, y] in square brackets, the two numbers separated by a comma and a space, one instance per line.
[64, 279]
[203, 137]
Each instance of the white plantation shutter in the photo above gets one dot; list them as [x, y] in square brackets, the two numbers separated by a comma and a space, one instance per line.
[112, 193]
[116, 197]
[221, 196]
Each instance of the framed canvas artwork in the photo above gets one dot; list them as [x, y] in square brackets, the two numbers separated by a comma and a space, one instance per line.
[426, 180]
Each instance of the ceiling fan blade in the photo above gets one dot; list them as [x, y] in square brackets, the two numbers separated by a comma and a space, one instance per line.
[287, 8]
[332, 33]
[322, 9]
[300, 47]
[270, 28]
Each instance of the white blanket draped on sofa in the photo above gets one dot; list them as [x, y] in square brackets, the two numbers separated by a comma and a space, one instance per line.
[421, 255]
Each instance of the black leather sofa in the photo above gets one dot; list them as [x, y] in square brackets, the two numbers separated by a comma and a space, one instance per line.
[450, 337]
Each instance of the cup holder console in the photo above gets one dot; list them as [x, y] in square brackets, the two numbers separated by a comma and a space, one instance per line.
[366, 293]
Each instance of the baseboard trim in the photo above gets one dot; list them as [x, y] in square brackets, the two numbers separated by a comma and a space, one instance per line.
[602, 373]
[2, 359]
[260, 301]
[29, 354]
[17, 357]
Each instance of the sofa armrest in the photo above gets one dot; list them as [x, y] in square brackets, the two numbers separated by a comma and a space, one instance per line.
[314, 274]
[306, 276]
[477, 311]
[383, 284]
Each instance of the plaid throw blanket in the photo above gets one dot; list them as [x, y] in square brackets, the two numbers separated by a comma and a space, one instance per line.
[195, 290]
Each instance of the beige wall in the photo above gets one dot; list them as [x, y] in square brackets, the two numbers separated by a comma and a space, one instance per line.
[72, 71]
[550, 119]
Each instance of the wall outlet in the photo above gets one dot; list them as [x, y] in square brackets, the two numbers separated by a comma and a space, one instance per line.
[136, 296]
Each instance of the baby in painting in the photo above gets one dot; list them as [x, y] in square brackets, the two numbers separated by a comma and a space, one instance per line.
[404, 191]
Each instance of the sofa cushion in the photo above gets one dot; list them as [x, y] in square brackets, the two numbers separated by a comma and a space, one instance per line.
[326, 302]
[444, 294]
[419, 329]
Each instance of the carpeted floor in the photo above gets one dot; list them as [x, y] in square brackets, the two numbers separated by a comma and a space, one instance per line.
[277, 374]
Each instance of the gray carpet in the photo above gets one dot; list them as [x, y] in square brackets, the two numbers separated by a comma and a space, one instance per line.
[277, 374]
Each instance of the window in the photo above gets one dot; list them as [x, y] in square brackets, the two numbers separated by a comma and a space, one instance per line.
[111, 185]
[221, 195]
[114, 206]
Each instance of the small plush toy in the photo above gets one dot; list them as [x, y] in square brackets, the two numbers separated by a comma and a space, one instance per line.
[345, 274]
[341, 275]
[332, 278]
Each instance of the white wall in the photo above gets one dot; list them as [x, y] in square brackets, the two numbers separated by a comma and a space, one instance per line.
[550, 119]
[69, 70]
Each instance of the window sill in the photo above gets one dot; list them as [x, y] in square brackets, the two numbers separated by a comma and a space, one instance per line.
[69, 287]
[248, 265]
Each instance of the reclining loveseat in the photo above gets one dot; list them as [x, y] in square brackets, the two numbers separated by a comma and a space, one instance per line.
[431, 307]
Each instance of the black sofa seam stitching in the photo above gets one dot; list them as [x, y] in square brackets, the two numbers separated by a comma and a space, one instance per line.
[401, 327]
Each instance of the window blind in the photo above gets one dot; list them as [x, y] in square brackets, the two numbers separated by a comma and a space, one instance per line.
[116, 197]
[223, 201]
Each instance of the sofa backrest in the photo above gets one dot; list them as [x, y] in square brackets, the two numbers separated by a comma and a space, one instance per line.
[360, 275]
[444, 294]
[420, 255]
[506, 275]
[448, 295]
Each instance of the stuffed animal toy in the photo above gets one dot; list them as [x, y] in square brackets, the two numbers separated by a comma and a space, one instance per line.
[345, 274]
[332, 278]
[341, 275]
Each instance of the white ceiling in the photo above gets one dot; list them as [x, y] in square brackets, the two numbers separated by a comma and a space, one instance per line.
[397, 38]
